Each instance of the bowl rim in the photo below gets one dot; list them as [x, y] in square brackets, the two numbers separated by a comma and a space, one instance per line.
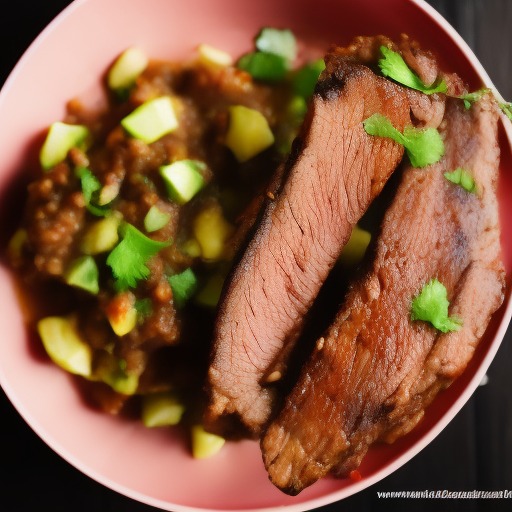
[333, 496]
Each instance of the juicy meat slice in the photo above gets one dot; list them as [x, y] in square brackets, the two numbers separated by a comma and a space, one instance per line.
[333, 174]
[372, 374]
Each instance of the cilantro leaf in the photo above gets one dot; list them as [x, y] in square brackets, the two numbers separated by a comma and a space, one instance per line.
[128, 259]
[507, 109]
[424, 147]
[394, 66]
[183, 286]
[431, 305]
[473, 96]
[264, 66]
[463, 178]
[90, 187]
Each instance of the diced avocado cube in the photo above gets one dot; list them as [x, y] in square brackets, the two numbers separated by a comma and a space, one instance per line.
[64, 345]
[183, 179]
[212, 230]
[212, 57]
[191, 248]
[101, 236]
[297, 108]
[151, 120]
[155, 219]
[112, 371]
[263, 66]
[60, 139]
[355, 248]
[248, 132]
[125, 70]
[204, 444]
[305, 78]
[183, 286]
[210, 294]
[108, 193]
[83, 273]
[278, 42]
[161, 409]
[15, 246]
[121, 382]
[122, 314]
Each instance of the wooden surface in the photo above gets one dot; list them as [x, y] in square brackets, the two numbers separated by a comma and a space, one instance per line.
[473, 453]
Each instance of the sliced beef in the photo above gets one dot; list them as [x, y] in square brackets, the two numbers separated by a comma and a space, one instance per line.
[372, 374]
[333, 174]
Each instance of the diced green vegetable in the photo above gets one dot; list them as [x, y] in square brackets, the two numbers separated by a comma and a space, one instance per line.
[305, 78]
[463, 178]
[212, 57]
[297, 108]
[60, 139]
[183, 179]
[278, 42]
[394, 66]
[16, 243]
[125, 70]
[161, 409]
[212, 230]
[473, 96]
[101, 236]
[355, 248]
[129, 257]
[90, 188]
[248, 133]
[191, 248]
[210, 294]
[263, 66]
[204, 444]
[112, 371]
[424, 147]
[83, 273]
[155, 219]
[64, 345]
[108, 193]
[151, 120]
[122, 314]
[183, 286]
[431, 305]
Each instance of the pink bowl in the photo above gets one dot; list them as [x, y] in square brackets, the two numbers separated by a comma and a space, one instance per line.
[154, 466]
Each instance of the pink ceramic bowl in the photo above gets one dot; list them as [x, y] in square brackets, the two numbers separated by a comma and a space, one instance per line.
[154, 466]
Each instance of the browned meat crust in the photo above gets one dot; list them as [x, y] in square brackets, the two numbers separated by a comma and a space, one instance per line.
[334, 173]
[375, 370]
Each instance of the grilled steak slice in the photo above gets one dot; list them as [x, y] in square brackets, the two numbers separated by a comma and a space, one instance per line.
[333, 174]
[375, 370]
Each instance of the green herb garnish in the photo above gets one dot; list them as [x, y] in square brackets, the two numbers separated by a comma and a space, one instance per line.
[431, 305]
[90, 188]
[424, 147]
[472, 97]
[394, 66]
[306, 77]
[278, 42]
[264, 66]
[507, 109]
[183, 286]
[144, 308]
[463, 178]
[129, 257]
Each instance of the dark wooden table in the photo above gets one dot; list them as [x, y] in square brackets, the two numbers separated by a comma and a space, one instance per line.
[473, 453]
